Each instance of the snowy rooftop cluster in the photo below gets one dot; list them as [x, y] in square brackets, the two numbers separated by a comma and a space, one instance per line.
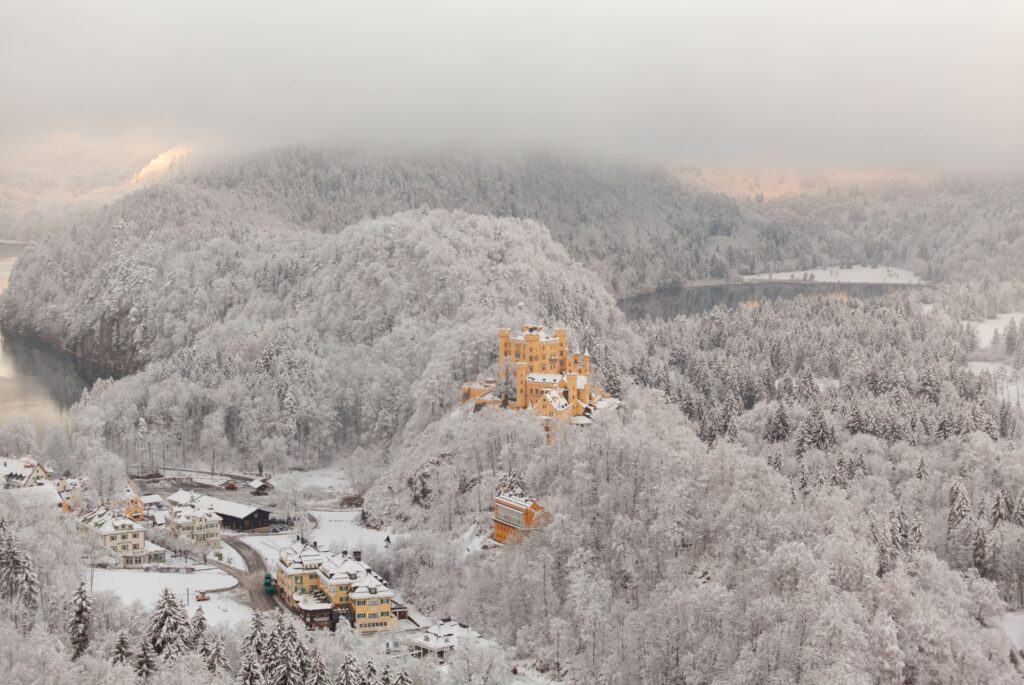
[301, 558]
[106, 522]
[345, 569]
[188, 513]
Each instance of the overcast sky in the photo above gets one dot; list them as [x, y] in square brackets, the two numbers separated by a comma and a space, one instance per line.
[794, 83]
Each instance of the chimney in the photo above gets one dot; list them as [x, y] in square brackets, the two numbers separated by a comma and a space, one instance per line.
[357, 555]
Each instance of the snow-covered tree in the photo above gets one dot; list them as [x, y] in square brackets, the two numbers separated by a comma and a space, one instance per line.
[121, 653]
[169, 630]
[79, 616]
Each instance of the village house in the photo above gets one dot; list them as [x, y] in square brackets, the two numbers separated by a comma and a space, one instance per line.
[514, 517]
[321, 587]
[22, 472]
[129, 503]
[200, 525]
[439, 640]
[122, 537]
[536, 371]
[233, 515]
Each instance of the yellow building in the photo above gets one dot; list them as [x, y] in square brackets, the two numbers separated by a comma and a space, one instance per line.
[514, 517]
[122, 538]
[536, 371]
[320, 587]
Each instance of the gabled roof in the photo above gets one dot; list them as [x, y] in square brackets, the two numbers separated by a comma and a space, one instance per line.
[107, 522]
[221, 506]
[301, 558]
[36, 495]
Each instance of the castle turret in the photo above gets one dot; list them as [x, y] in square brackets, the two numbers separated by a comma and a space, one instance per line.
[503, 352]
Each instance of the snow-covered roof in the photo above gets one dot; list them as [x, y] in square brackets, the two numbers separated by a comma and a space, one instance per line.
[188, 514]
[18, 469]
[152, 500]
[513, 502]
[152, 547]
[442, 636]
[221, 506]
[37, 495]
[256, 484]
[556, 400]
[107, 522]
[344, 569]
[310, 602]
[545, 377]
[301, 558]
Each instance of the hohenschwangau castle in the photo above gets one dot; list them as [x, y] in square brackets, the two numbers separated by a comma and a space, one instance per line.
[535, 370]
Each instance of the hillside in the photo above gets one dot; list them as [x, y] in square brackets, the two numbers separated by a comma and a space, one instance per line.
[277, 344]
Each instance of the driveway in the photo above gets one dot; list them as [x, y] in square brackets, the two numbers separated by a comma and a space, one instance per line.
[252, 578]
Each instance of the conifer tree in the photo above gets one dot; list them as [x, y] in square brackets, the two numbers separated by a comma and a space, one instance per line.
[959, 506]
[980, 551]
[775, 460]
[317, 673]
[198, 626]
[855, 420]
[254, 640]
[403, 679]
[888, 553]
[385, 676]
[922, 472]
[1010, 337]
[169, 628]
[250, 671]
[1018, 509]
[1000, 508]
[80, 611]
[122, 651]
[915, 536]
[214, 658]
[777, 428]
[349, 672]
[145, 662]
[369, 673]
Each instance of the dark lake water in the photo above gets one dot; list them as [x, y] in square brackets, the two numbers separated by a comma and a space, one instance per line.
[687, 300]
[35, 381]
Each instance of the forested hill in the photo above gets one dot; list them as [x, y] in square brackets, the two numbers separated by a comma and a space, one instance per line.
[635, 226]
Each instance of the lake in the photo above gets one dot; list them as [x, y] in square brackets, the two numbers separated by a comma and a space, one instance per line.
[694, 299]
[35, 381]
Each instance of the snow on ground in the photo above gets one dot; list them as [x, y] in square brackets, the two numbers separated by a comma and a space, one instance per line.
[328, 478]
[269, 546]
[134, 584]
[341, 530]
[1009, 381]
[985, 329]
[230, 557]
[1013, 626]
[856, 274]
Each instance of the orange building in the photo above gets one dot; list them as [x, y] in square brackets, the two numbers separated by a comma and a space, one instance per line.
[514, 517]
[536, 370]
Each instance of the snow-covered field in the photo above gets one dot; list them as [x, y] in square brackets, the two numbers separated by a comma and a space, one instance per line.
[856, 274]
[985, 329]
[329, 478]
[340, 530]
[336, 530]
[1013, 626]
[134, 584]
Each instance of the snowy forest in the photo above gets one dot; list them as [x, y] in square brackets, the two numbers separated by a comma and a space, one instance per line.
[818, 489]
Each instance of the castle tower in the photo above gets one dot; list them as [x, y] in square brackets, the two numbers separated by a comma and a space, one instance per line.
[522, 369]
[504, 352]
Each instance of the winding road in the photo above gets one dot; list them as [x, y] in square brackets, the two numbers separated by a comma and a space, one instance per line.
[252, 578]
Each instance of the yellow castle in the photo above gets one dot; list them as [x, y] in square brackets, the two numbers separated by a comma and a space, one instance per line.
[535, 370]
